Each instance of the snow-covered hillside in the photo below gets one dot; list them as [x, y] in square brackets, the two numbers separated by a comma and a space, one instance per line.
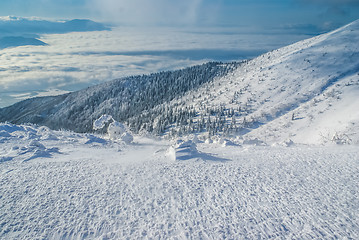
[64, 185]
[307, 92]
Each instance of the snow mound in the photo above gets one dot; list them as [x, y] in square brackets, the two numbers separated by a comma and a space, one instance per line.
[227, 142]
[94, 140]
[46, 133]
[254, 141]
[26, 142]
[116, 130]
[187, 150]
[36, 149]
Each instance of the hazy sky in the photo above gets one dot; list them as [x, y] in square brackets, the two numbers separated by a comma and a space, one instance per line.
[321, 14]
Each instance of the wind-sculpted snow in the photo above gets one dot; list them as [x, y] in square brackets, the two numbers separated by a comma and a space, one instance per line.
[187, 150]
[105, 189]
[25, 143]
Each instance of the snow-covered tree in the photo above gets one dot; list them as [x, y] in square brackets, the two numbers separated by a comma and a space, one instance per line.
[115, 130]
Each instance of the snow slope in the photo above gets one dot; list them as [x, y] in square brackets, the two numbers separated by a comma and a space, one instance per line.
[307, 92]
[64, 185]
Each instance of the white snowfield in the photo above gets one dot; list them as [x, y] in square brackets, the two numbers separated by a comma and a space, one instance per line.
[63, 185]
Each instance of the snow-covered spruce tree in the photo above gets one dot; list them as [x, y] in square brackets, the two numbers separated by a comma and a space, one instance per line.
[115, 130]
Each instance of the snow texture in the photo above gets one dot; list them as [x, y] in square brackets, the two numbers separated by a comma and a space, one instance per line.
[110, 190]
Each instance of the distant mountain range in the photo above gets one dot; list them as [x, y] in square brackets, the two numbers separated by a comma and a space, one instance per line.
[307, 92]
[15, 31]
[6, 42]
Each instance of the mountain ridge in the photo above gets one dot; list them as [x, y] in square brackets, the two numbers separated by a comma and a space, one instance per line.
[17, 31]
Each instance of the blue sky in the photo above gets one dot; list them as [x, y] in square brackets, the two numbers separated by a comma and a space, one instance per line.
[295, 14]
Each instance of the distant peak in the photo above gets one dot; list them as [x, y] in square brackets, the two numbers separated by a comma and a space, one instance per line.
[9, 18]
[18, 26]
[15, 18]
